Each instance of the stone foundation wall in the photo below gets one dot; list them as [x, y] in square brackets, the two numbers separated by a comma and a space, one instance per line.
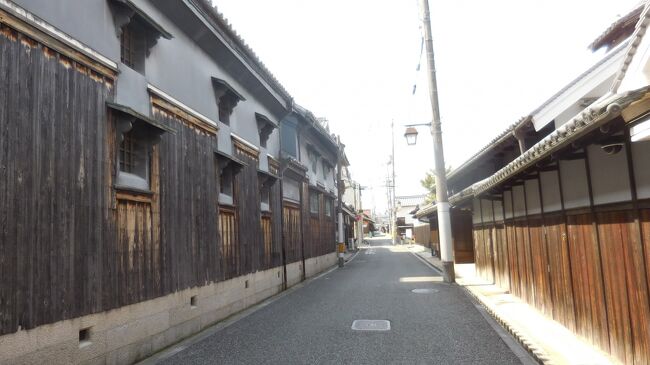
[128, 334]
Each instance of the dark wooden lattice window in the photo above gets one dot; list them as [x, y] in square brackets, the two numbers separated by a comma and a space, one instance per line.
[127, 46]
[127, 153]
[134, 158]
[229, 242]
[267, 236]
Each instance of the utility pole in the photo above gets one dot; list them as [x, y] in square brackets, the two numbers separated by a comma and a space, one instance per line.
[360, 212]
[340, 186]
[442, 203]
[393, 212]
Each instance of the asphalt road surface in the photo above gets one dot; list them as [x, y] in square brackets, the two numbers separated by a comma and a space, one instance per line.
[312, 325]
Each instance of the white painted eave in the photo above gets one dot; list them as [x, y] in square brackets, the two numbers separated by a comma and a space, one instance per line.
[605, 69]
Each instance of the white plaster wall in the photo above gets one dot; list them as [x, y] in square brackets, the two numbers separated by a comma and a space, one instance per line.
[641, 163]
[476, 212]
[316, 265]
[519, 202]
[551, 191]
[294, 273]
[533, 203]
[487, 211]
[498, 210]
[507, 202]
[574, 184]
[609, 176]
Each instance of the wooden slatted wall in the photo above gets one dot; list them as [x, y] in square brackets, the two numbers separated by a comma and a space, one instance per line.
[229, 242]
[53, 129]
[587, 269]
[292, 234]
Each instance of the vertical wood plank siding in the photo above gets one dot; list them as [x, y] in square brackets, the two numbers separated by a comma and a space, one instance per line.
[72, 244]
[586, 268]
[54, 187]
[292, 232]
[188, 185]
[228, 234]
[247, 193]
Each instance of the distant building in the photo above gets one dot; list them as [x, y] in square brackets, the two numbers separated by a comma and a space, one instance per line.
[406, 206]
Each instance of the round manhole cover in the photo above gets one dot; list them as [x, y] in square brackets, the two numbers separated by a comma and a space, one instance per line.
[424, 291]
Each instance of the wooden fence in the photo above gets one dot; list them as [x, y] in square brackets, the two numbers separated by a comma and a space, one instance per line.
[588, 271]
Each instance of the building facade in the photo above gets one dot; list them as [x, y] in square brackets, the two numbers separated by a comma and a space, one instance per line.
[556, 207]
[144, 189]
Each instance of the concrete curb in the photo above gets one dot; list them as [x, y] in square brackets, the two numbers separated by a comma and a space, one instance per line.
[530, 345]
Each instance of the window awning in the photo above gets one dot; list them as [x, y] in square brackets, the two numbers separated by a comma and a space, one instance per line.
[265, 127]
[223, 87]
[125, 110]
[266, 178]
[148, 21]
[230, 158]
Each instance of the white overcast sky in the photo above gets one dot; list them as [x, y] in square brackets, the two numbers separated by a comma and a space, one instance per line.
[354, 63]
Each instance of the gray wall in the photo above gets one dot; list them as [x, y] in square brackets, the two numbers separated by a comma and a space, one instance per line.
[179, 67]
[89, 21]
[641, 159]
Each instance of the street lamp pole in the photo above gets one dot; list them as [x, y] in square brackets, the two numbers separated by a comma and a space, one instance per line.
[393, 211]
[442, 203]
[340, 188]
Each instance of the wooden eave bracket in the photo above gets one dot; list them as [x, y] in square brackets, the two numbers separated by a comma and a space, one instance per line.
[267, 179]
[222, 87]
[291, 165]
[265, 126]
[128, 116]
[231, 162]
[125, 10]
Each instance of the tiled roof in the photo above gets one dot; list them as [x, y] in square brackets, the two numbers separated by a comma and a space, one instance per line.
[503, 136]
[635, 40]
[592, 117]
[238, 43]
[411, 200]
[620, 23]
[522, 121]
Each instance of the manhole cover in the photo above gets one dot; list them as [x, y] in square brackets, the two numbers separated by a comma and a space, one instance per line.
[371, 325]
[424, 291]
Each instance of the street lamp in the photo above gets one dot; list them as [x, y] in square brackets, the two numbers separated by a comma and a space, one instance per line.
[442, 203]
[411, 135]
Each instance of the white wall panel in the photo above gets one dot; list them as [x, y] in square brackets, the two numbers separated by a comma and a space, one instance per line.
[609, 176]
[574, 184]
[551, 196]
[519, 200]
[641, 163]
[533, 202]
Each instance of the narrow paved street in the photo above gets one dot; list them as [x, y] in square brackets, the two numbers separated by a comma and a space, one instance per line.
[312, 325]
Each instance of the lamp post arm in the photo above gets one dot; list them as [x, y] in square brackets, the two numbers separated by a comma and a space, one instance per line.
[418, 125]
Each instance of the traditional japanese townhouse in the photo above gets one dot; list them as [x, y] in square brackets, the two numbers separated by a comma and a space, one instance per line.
[558, 206]
[406, 206]
[308, 159]
[140, 199]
